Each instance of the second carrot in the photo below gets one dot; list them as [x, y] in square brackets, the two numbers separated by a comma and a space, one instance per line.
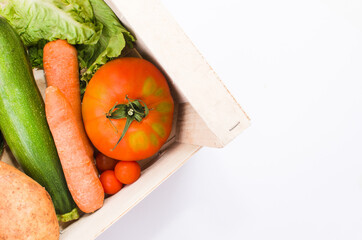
[62, 71]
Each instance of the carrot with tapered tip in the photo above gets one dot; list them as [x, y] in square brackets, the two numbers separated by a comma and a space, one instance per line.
[78, 167]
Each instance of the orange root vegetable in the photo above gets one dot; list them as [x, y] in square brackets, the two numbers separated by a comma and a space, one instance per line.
[61, 70]
[78, 166]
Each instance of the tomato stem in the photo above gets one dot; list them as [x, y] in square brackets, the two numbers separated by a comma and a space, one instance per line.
[136, 109]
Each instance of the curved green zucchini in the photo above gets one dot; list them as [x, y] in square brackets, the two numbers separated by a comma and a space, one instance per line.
[23, 122]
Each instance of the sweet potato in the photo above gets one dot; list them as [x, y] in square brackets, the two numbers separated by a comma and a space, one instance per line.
[26, 209]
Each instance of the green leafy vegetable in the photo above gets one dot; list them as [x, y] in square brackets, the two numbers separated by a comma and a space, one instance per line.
[35, 20]
[113, 40]
[89, 24]
[36, 54]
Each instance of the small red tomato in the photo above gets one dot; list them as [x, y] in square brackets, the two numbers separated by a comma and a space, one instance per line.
[105, 163]
[110, 183]
[127, 172]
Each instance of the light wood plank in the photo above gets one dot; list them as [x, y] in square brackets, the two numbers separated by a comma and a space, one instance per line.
[164, 41]
[92, 225]
[193, 130]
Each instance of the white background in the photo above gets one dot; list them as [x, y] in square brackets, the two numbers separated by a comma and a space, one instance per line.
[296, 68]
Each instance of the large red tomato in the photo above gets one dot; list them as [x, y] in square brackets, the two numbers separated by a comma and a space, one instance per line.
[128, 109]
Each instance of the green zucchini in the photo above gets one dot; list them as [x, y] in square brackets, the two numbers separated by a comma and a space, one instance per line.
[23, 122]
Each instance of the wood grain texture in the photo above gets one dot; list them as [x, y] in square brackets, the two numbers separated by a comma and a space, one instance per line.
[193, 130]
[92, 225]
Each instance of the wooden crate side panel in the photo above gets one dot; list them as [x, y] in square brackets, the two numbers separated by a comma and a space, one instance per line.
[193, 130]
[186, 67]
[92, 225]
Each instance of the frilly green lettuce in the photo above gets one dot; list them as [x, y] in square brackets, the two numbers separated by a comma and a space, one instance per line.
[89, 24]
[36, 54]
[113, 40]
[35, 20]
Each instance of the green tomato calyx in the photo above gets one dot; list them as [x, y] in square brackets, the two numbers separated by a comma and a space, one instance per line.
[135, 109]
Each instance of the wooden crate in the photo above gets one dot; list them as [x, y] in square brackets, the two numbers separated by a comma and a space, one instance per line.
[206, 113]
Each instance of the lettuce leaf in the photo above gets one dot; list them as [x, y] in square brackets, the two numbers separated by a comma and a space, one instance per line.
[113, 40]
[36, 54]
[35, 20]
[89, 24]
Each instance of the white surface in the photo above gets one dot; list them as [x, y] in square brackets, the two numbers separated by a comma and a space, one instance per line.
[296, 68]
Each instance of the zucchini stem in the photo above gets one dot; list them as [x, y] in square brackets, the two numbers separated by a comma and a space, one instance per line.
[67, 217]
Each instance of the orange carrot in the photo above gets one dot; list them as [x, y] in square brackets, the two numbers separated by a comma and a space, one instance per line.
[61, 70]
[78, 166]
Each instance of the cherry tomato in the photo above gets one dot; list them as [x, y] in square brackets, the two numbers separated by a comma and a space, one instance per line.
[110, 183]
[105, 163]
[131, 94]
[127, 172]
